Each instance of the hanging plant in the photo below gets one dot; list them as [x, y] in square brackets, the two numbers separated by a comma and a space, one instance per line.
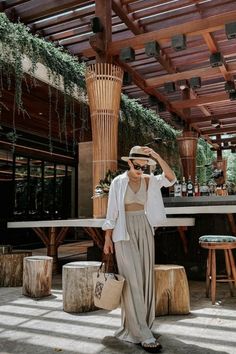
[16, 42]
[139, 126]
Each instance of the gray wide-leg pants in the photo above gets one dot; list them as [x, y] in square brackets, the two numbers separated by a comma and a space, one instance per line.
[135, 260]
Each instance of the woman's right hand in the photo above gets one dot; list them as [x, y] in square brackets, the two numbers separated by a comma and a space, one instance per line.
[108, 246]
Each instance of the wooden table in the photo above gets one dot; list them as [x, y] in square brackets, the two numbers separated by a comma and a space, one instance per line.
[53, 232]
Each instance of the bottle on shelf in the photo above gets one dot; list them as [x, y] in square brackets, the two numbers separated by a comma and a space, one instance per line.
[177, 189]
[196, 188]
[190, 187]
[184, 187]
[225, 190]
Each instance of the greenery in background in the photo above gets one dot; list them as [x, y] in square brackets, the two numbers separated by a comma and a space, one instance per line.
[62, 68]
[205, 156]
[102, 189]
[139, 126]
[231, 165]
[17, 42]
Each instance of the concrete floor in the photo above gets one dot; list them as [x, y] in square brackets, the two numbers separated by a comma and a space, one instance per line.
[40, 326]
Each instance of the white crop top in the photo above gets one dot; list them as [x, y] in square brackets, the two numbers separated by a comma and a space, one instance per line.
[139, 197]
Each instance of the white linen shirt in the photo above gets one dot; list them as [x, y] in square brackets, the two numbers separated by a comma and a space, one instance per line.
[154, 206]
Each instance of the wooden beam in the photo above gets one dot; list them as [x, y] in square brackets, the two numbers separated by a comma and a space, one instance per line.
[206, 72]
[213, 48]
[103, 11]
[200, 119]
[193, 28]
[128, 19]
[219, 131]
[209, 99]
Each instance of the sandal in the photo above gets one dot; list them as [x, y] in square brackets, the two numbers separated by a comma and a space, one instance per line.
[152, 347]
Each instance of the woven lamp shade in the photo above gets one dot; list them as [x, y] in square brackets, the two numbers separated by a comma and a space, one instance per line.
[104, 82]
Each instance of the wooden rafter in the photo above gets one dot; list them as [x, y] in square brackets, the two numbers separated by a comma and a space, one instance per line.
[128, 19]
[193, 28]
[209, 99]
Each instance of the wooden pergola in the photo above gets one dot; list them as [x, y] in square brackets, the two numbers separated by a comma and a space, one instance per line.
[136, 24]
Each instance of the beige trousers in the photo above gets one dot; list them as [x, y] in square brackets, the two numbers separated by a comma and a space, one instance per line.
[135, 260]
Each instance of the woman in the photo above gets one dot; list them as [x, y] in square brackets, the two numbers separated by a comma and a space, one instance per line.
[135, 207]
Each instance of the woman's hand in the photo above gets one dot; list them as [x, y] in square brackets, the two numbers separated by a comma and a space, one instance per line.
[170, 175]
[108, 246]
[150, 152]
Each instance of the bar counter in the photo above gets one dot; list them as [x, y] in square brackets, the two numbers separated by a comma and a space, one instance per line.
[200, 201]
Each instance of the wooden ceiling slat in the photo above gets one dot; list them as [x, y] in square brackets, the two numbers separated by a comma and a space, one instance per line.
[166, 9]
[208, 99]
[202, 72]
[129, 20]
[64, 18]
[192, 28]
[35, 9]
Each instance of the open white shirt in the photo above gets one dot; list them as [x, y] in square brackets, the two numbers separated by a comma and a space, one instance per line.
[154, 206]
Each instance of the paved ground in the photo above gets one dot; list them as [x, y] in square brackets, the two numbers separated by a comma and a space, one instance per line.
[31, 327]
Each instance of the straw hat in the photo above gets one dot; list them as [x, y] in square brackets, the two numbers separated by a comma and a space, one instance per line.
[137, 153]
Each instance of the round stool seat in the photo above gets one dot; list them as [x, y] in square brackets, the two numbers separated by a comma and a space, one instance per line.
[217, 238]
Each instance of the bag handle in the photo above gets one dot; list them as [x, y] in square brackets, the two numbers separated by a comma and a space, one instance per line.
[106, 265]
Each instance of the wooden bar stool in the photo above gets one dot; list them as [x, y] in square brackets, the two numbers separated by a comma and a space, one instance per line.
[213, 243]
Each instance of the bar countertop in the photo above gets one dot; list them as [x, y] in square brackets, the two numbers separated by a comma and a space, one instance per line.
[199, 201]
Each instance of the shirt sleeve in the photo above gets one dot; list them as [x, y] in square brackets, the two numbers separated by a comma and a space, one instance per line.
[112, 209]
[163, 181]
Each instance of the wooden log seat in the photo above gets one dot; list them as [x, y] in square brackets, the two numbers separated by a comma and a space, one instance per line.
[171, 290]
[77, 285]
[37, 276]
[227, 244]
[11, 268]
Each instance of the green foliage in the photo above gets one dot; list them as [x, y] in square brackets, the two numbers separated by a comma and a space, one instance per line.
[139, 125]
[231, 166]
[204, 159]
[102, 189]
[16, 41]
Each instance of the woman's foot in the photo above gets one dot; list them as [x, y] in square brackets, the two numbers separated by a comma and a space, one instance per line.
[154, 347]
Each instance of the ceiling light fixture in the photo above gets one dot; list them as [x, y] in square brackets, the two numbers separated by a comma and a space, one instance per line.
[183, 84]
[215, 123]
[216, 59]
[178, 42]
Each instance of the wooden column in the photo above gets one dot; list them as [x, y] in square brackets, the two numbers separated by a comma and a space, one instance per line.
[103, 10]
[104, 82]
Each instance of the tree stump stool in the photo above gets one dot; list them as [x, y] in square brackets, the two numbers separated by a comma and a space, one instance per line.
[11, 268]
[77, 285]
[171, 290]
[37, 276]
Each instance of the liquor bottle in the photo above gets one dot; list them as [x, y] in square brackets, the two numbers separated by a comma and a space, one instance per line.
[177, 189]
[184, 188]
[190, 187]
[196, 188]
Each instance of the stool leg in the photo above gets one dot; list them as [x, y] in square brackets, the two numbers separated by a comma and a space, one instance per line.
[208, 273]
[213, 277]
[229, 272]
[232, 263]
